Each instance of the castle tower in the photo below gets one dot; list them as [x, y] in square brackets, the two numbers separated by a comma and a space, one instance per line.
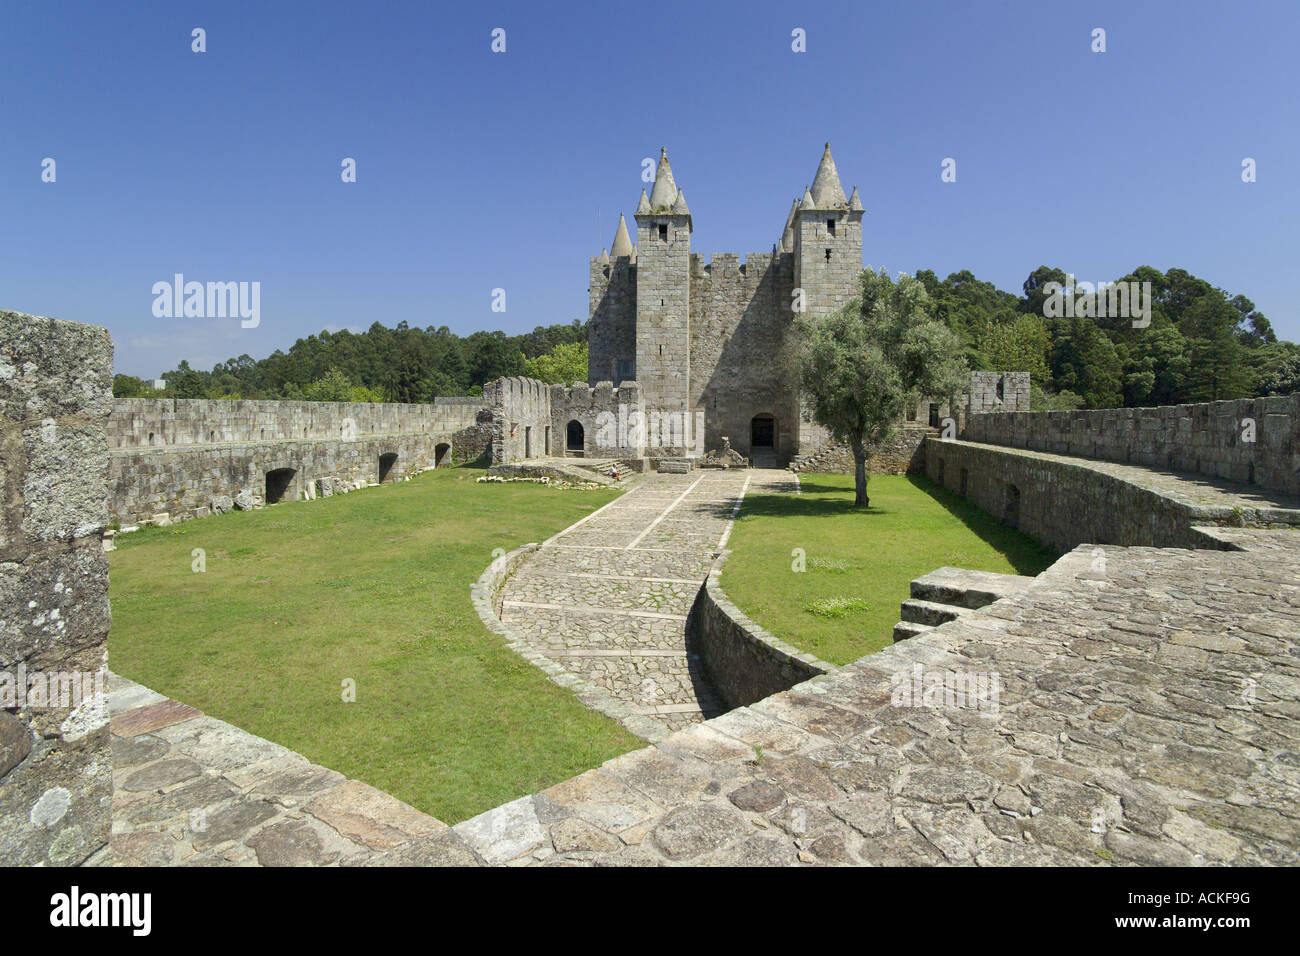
[663, 275]
[827, 241]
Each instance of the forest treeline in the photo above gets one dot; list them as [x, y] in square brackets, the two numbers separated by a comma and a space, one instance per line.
[1199, 343]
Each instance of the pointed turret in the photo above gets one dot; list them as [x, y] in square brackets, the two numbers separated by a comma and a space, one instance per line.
[633, 260]
[664, 193]
[622, 241]
[855, 204]
[604, 256]
[807, 202]
[787, 234]
[827, 192]
[679, 207]
[644, 205]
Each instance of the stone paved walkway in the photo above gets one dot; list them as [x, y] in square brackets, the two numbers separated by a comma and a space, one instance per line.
[607, 598]
[190, 790]
[1146, 714]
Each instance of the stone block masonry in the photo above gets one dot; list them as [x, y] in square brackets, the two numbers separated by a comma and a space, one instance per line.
[55, 765]
[1254, 441]
[173, 456]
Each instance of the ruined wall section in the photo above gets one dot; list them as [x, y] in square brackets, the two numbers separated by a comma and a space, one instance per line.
[1209, 438]
[743, 348]
[521, 419]
[611, 329]
[55, 762]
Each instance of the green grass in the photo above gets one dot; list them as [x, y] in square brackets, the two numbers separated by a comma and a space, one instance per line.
[858, 561]
[372, 586]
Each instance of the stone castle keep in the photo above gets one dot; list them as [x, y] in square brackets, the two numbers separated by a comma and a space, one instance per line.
[715, 337]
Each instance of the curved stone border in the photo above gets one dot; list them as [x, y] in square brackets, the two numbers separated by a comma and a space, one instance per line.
[744, 662]
[486, 595]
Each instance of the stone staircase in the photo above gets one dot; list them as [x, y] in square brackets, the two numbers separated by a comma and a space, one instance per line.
[762, 458]
[675, 466]
[948, 593]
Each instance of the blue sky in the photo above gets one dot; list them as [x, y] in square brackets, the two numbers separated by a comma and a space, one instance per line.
[478, 171]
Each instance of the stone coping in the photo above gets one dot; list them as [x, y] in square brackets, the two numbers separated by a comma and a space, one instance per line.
[1207, 500]
[763, 644]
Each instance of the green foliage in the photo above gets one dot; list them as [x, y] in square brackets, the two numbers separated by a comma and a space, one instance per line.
[334, 386]
[400, 364]
[128, 386]
[864, 365]
[562, 365]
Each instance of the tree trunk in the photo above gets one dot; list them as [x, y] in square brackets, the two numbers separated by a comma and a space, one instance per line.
[860, 499]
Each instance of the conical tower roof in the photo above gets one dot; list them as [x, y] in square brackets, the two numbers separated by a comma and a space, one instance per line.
[826, 189]
[679, 207]
[604, 256]
[855, 204]
[644, 205]
[807, 201]
[787, 234]
[664, 193]
[622, 241]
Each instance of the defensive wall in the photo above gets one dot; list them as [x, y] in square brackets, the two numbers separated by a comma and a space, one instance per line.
[55, 763]
[175, 456]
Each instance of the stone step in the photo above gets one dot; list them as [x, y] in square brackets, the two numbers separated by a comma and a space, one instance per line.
[762, 458]
[967, 589]
[931, 613]
[906, 629]
[675, 466]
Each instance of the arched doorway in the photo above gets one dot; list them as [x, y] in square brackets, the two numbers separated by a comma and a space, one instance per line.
[574, 438]
[762, 433]
[442, 455]
[277, 484]
[386, 463]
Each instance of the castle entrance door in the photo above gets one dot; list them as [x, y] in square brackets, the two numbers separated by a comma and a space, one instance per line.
[762, 432]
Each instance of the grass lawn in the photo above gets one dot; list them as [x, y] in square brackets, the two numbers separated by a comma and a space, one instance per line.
[859, 561]
[372, 586]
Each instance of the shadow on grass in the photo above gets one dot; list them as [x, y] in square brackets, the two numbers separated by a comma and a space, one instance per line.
[1026, 555]
[822, 500]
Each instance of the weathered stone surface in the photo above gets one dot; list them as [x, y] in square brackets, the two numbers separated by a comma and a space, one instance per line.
[689, 831]
[163, 774]
[222, 504]
[758, 796]
[244, 500]
[15, 742]
[145, 720]
[370, 816]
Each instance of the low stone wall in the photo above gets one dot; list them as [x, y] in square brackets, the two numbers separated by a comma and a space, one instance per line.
[173, 456]
[742, 661]
[901, 455]
[55, 762]
[1205, 439]
[1064, 504]
[166, 422]
[181, 481]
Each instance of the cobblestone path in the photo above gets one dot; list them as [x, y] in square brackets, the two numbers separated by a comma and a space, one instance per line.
[607, 598]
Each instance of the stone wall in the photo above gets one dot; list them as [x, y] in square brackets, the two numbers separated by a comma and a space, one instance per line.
[1204, 439]
[174, 456]
[521, 419]
[611, 331]
[742, 661]
[1064, 504]
[901, 455]
[612, 419]
[742, 349]
[55, 764]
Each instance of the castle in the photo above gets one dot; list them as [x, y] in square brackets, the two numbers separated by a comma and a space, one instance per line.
[714, 338]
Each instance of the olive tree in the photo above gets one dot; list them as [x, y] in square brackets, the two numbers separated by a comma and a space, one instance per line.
[863, 366]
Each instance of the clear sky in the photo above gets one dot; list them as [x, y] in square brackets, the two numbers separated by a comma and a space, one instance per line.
[479, 170]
